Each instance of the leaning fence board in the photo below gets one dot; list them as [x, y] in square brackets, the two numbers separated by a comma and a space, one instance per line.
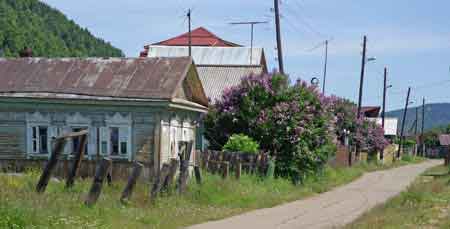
[126, 194]
[45, 177]
[171, 175]
[198, 175]
[225, 169]
[77, 162]
[185, 157]
[157, 184]
[96, 188]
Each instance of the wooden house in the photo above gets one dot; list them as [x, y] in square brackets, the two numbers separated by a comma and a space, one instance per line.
[133, 108]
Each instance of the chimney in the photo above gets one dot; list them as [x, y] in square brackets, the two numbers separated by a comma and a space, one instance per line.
[26, 52]
[144, 53]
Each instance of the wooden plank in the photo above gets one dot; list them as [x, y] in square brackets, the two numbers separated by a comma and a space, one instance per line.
[158, 181]
[97, 184]
[45, 177]
[74, 134]
[184, 167]
[170, 177]
[77, 161]
[238, 170]
[132, 180]
[198, 176]
[225, 169]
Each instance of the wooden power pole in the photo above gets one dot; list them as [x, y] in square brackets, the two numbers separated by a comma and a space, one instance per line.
[403, 124]
[278, 31]
[325, 67]
[383, 114]
[422, 140]
[361, 82]
[190, 32]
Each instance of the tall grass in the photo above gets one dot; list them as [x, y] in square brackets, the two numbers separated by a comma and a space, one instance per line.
[21, 207]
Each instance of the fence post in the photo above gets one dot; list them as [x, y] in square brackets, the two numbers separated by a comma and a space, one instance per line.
[45, 177]
[96, 188]
[160, 177]
[185, 158]
[225, 169]
[171, 175]
[198, 177]
[238, 170]
[77, 162]
[126, 194]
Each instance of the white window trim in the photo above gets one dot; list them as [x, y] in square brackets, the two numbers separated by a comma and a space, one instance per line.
[119, 121]
[36, 120]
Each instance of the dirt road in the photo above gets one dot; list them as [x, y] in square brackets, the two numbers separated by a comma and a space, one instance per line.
[331, 209]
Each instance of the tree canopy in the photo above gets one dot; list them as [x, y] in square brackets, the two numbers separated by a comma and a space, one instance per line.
[48, 32]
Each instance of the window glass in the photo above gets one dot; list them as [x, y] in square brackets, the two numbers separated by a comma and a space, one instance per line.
[76, 141]
[114, 140]
[43, 140]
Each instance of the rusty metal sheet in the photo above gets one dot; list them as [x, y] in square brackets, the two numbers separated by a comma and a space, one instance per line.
[154, 78]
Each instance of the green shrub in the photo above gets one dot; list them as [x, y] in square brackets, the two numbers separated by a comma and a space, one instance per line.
[241, 143]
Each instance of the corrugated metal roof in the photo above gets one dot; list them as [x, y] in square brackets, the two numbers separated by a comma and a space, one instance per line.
[148, 78]
[213, 55]
[199, 37]
[216, 79]
[444, 139]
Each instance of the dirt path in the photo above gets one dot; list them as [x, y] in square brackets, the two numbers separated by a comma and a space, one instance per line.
[331, 209]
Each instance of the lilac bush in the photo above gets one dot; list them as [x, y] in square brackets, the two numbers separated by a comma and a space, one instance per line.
[289, 122]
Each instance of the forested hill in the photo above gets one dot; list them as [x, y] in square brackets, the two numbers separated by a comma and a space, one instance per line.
[48, 32]
[436, 115]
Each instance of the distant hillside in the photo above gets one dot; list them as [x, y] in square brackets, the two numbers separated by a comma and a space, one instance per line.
[436, 115]
[48, 32]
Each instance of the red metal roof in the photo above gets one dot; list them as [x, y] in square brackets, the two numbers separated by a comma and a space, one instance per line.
[371, 112]
[146, 78]
[200, 37]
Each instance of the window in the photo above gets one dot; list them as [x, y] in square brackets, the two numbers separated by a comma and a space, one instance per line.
[39, 139]
[114, 140]
[76, 141]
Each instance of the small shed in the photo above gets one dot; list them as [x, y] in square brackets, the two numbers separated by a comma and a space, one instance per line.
[133, 108]
[444, 140]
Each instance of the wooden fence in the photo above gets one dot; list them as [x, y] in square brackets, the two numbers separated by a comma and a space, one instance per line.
[224, 163]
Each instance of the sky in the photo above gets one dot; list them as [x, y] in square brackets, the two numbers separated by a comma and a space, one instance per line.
[410, 37]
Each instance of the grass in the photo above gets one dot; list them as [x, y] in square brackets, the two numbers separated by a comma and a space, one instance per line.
[21, 207]
[426, 204]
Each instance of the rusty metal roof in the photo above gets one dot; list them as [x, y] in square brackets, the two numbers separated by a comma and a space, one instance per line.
[147, 78]
[444, 139]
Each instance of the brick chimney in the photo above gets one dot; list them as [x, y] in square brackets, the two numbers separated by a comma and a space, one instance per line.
[144, 53]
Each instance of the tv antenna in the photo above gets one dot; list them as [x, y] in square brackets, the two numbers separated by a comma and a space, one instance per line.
[252, 25]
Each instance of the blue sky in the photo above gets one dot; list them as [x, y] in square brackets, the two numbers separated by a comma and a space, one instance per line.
[411, 37]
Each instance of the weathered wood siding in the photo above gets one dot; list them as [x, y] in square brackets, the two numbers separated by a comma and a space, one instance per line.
[12, 135]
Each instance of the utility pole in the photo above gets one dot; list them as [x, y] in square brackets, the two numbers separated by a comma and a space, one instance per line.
[361, 82]
[403, 124]
[190, 32]
[422, 140]
[278, 31]
[325, 67]
[383, 114]
[415, 131]
[252, 24]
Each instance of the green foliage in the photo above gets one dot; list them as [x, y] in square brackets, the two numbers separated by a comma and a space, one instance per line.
[241, 143]
[291, 122]
[48, 32]
[215, 199]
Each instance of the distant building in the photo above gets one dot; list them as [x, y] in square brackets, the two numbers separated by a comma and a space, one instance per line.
[220, 64]
[134, 109]
[390, 124]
